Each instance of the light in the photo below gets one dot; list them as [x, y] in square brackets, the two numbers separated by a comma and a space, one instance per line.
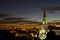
[14, 27]
[42, 34]
[35, 35]
[42, 31]
[43, 22]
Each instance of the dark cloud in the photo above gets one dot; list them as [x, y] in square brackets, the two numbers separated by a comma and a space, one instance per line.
[14, 18]
[53, 8]
[51, 11]
[3, 15]
[17, 20]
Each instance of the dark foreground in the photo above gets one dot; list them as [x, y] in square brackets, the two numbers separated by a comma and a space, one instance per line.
[6, 35]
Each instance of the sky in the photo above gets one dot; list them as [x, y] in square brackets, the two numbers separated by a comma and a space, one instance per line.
[32, 9]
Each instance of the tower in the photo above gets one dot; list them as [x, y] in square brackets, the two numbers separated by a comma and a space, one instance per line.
[43, 32]
[44, 21]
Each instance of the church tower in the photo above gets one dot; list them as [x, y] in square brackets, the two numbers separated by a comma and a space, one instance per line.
[43, 32]
[44, 21]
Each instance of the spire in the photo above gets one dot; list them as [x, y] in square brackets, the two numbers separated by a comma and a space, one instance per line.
[44, 21]
[44, 15]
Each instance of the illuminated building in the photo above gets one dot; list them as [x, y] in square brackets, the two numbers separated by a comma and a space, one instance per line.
[44, 30]
[44, 21]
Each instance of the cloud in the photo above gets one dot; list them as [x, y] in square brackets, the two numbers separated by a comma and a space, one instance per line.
[13, 18]
[17, 20]
[3, 15]
[53, 8]
[51, 11]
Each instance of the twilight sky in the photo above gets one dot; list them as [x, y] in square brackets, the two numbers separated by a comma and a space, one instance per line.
[32, 9]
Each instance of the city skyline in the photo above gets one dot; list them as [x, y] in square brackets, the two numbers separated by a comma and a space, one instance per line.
[32, 9]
